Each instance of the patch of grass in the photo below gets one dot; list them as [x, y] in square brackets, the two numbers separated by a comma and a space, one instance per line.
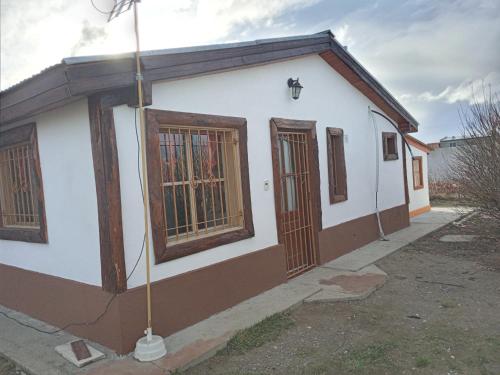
[368, 356]
[448, 304]
[421, 362]
[267, 330]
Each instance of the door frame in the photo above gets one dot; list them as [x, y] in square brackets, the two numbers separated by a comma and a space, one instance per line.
[309, 127]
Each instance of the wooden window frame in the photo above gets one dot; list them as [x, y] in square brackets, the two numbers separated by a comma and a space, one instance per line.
[26, 134]
[339, 174]
[386, 138]
[155, 119]
[421, 173]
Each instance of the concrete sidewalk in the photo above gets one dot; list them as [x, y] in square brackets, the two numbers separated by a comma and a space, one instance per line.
[352, 276]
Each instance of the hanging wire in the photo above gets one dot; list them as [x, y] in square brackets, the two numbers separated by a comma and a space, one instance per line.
[111, 299]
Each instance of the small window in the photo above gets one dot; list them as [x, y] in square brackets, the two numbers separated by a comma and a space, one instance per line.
[389, 142]
[337, 177]
[418, 178]
[21, 197]
[198, 182]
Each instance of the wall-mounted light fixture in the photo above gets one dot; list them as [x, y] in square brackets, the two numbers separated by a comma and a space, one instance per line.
[295, 87]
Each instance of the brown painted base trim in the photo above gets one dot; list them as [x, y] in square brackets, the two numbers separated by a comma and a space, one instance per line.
[59, 302]
[420, 211]
[178, 302]
[340, 239]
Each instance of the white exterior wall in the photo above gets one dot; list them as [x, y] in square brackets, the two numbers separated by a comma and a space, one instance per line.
[442, 163]
[68, 179]
[258, 94]
[418, 198]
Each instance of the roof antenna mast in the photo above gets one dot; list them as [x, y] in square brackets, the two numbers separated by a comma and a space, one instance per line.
[150, 347]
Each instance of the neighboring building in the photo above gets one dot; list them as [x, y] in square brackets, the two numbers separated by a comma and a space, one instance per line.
[248, 186]
[442, 158]
[418, 182]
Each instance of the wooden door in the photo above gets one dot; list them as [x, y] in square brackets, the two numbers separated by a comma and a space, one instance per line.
[297, 230]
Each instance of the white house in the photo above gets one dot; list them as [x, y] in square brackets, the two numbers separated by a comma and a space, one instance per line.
[418, 182]
[248, 186]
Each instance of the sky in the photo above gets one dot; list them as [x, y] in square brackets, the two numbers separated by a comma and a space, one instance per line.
[431, 55]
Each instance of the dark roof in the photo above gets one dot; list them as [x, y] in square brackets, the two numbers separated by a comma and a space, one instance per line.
[78, 77]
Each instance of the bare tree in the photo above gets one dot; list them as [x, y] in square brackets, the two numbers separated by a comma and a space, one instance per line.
[477, 161]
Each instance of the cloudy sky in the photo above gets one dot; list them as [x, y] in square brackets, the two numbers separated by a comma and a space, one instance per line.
[429, 54]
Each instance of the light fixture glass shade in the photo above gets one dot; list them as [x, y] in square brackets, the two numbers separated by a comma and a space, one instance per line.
[295, 87]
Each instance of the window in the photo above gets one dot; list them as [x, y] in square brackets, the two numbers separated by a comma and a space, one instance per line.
[418, 178]
[21, 196]
[288, 168]
[198, 182]
[336, 165]
[389, 142]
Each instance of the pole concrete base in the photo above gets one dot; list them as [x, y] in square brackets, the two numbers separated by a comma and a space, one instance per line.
[149, 347]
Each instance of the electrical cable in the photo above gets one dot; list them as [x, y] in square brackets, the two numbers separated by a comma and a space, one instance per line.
[372, 111]
[377, 177]
[108, 304]
[397, 129]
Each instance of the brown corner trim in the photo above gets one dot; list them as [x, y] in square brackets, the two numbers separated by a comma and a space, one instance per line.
[107, 180]
[420, 210]
[405, 171]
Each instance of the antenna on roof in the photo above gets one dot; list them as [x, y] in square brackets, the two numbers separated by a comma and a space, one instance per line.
[120, 7]
[150, 347]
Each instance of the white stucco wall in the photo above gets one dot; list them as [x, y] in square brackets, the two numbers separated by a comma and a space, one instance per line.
[67, 169]
[258, 94]
[418, 198]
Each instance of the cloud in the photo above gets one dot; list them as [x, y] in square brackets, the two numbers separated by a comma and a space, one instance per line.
[34, 37]
[89, 35]
[466, 91]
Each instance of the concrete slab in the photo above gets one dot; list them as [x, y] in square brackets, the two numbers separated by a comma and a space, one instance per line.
[67, 352]
[374, 251]
[34, 351]
[349, 286]
[457, 238]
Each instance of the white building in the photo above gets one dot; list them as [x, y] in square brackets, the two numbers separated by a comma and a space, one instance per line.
[418, 181]
[248, 186]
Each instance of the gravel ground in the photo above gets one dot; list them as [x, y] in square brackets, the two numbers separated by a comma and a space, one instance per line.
[437, 314]
[8, 367]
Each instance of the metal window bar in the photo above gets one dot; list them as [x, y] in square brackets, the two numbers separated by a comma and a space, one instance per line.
[296, 216]
[19, 208]
[200, 181]
[334, 155]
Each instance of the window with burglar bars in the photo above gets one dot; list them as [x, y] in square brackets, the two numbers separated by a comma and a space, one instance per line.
[17, 190]
[418, 178]
[337, 175]
[201, 191]
[22, 208]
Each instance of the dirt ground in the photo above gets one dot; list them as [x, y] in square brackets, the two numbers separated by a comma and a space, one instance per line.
[438, 313]
[7, 367]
